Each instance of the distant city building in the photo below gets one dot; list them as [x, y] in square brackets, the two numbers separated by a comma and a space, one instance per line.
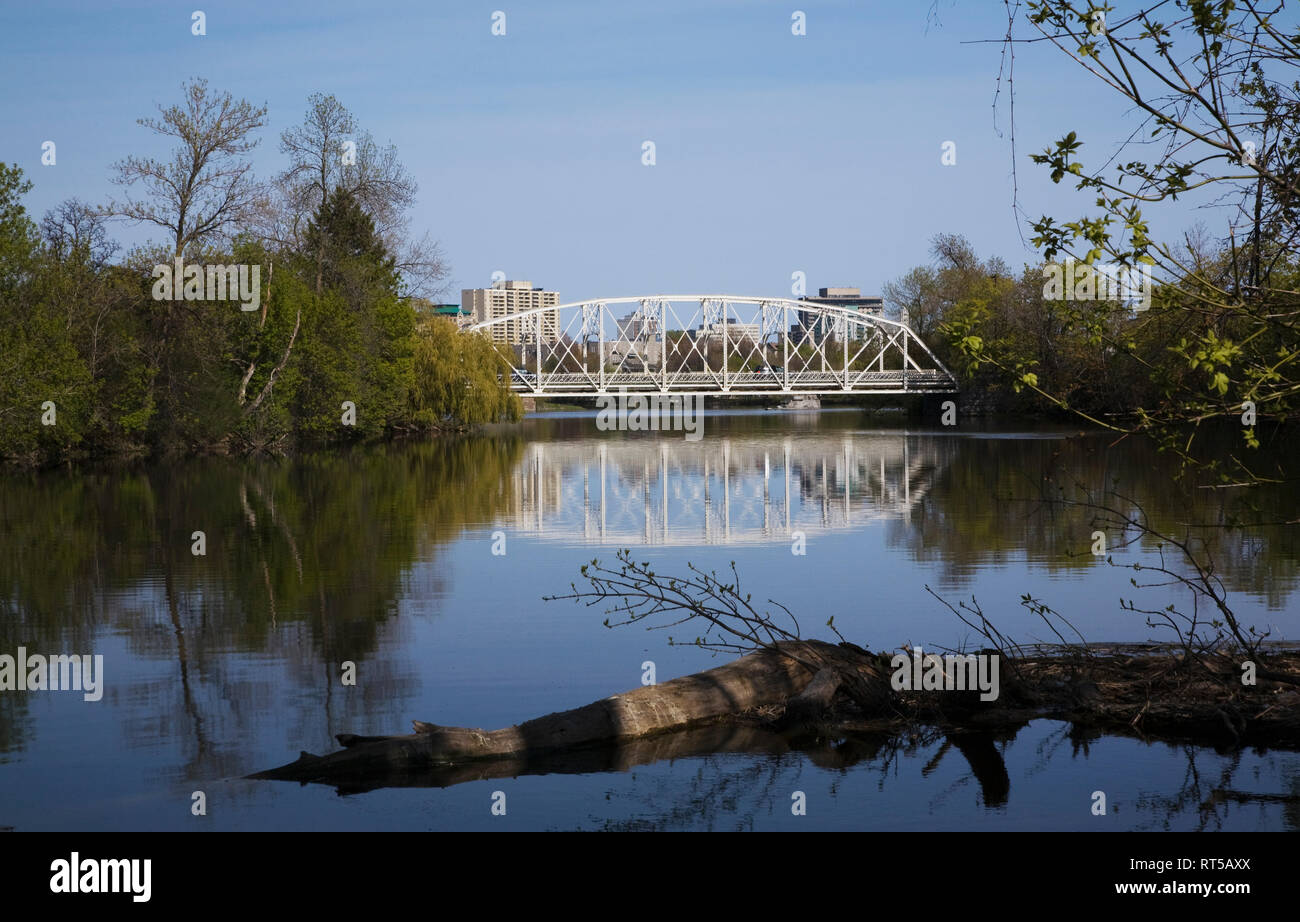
[635, 326]
[822, 327]
[637, 345]
[512, 297]
[735, 331]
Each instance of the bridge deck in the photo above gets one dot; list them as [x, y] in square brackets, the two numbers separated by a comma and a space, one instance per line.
[579, 384]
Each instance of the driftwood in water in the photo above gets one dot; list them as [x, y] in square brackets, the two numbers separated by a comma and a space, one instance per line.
[786, 698]
[763, 679]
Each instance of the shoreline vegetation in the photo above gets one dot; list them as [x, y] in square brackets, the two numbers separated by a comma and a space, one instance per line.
[277, 314]
[1216, 687]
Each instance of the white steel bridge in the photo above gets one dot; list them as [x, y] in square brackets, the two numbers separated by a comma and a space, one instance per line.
[713, 345]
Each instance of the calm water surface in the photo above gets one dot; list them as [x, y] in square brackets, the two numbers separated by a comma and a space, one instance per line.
[224, 664]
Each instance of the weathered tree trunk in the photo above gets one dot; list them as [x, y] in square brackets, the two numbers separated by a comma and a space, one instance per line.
[815, 699]
[759, 679]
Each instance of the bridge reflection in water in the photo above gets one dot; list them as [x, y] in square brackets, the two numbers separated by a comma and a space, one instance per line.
[719, 491]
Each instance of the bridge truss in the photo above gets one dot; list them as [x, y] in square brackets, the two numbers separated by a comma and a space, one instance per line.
[714, 345]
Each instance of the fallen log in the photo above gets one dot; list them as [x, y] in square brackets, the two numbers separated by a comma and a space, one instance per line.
[792, 692]
[815, 699]
[759, 679]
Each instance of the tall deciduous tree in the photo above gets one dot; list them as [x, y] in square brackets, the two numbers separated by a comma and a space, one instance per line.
[202, 195]
[330, 152]
[206, 186]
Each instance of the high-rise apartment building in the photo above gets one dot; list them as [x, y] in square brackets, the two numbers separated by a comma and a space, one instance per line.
[511, 298]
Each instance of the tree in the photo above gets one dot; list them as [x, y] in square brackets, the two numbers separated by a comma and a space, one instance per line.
[207, 185]
[71, 227]
[201, 195]
[460, 379]
[317, 149]
[357, 333]
[99, 305]
[17, 236]
[972, 309]
[929, 294]
[916, 297]
[1220, 105]
[352, 257]
[330, 152]
[43, 381]
[92, 361]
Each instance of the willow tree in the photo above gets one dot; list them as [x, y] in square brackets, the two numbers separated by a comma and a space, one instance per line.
[461, 379]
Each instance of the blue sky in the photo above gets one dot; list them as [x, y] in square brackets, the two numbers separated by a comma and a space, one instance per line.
[775, 153]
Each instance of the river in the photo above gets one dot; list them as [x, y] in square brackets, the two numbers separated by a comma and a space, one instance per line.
[423, 565]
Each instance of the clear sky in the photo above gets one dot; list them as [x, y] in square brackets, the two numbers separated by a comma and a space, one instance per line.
[775, 152]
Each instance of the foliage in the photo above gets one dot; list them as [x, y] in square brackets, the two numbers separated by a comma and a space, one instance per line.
[460, 379]
[95, 362]
[42, 376]
[1216, 91]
